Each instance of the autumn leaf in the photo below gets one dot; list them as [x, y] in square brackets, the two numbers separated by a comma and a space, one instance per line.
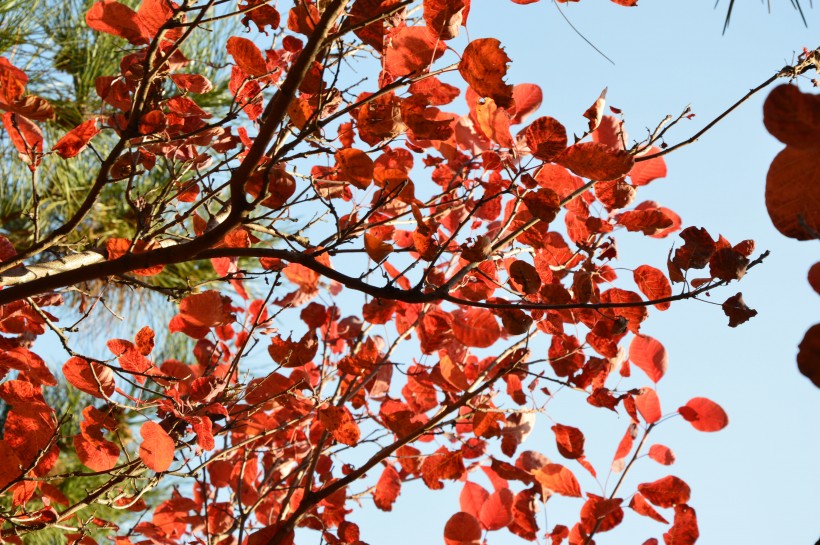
[76, 139]
[91, 378]
[793, 117]
[639, 504]
[472, 498]
[569, 440]
[684, 530]
[546, 138]
[247, 56]
[735, 308]
[793, 192]
[648, 405]
[483, 66]
[666, 492]
[662, 454]
[340, 423]
[476, 327]
[388, 488]
[559, 479]
[596, 161]
[496, 512]
[412, 49]
[157, 447]
[356, 167]
[808, 355]
[649, 355]
[653, 284]
[704, 414]
[462, 529]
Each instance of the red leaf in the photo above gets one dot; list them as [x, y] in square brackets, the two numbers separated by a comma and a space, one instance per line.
[648, 405]
[728, 264]
[9, 464]
[475, 327]
[294, 353]
[704, 414]
[643, 507]
[483, 66]
[247, 56]
[595, 112]
[570, 441]
[666, 492]
[808, 355]
[601, 514]
[496, 513]
[524, 277]
[793, 192]
[444, 17]
[662, 454]
[546, 138]
[117, 19]
[653, 284]
[793, 117]
[387, 490]
[193, 83]
[624, 448]
[356, 167]
[76, 140]
[412, 50]
[527, 98]
[596, 161]
[684, 530]
[92, 378]
[559, 479]
[647, 171]
[649, 355]
[472, 498]
[157, 447]
[118, 247]
[442, 464]
[26, 137]
[735, 308]
[339, 422]
[94, 451]
[462, 529]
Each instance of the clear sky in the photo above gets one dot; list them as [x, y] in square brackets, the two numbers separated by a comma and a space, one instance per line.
[755, 482]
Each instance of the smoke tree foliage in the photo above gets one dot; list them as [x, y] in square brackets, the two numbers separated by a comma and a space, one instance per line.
[389, 228]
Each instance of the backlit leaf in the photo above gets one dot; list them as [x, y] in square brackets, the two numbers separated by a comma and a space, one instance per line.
[649, 355]
[76, 140]
[559, 479]
[483, 66]
[662, 454]
[596, 161]
[247, 56]
[157, 447]
[666, 492]
[570, 441]
[339, 422]
[462, 529]
[653, 284]
[704, 414]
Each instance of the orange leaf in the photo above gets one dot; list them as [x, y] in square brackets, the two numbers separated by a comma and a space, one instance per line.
[117, 19]
[339, 422]
[356, 167]
[247, 56]
[376, 249]
[92, 378]
[559, 479]
[624, 448]
[76, 140]
[444, 17]
[649, 355]
[704, 414]
[596, 161]
[193, 83]
[157, 447]
[412, 50]
[484, 66]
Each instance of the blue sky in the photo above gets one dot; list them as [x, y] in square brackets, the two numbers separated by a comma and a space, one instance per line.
[757, 480]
